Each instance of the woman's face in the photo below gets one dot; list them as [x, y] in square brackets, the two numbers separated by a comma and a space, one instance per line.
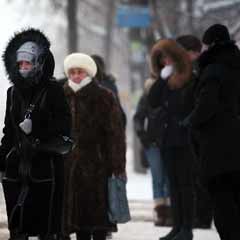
[25, 65]
[167, 61]
[77, 74]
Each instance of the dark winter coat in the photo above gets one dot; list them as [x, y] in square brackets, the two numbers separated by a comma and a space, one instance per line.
[109, 82]
[174, 110]
[40, 211]
[149, 122]
[164, 93]
[215, 120]
[100, 152]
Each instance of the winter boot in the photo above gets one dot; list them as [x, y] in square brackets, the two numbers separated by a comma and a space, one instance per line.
[19, 237]
[159, 215]
[15, 235]
[49, 237]
[184, 234]
[170, 236]
[169, 219]
[109, 235]
[62, 236]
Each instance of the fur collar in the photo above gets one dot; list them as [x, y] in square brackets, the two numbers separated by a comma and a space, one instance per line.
[88, 91]
[78, 86]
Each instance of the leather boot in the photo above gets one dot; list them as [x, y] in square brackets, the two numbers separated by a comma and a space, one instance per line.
[19, 237]
[170, 236]
[15, 235]
[168, 219]
[159, 215]
[184, 234]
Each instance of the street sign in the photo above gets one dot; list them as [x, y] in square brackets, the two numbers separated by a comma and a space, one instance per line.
[133, 16]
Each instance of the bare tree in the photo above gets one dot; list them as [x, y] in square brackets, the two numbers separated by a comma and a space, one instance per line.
[109, 32]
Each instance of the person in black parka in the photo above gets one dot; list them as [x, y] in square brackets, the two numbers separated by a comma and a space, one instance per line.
[215, 121]
[203, 208]
[171, 64]
[36, 111]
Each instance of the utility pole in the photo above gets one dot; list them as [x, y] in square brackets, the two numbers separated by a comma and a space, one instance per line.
[72, 25]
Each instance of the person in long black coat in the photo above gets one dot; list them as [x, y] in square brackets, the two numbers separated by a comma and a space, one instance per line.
[33, 181]
[215, 121]
[171, 63]
[203, 208]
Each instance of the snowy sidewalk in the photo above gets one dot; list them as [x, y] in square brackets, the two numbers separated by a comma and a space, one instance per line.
[140, 228]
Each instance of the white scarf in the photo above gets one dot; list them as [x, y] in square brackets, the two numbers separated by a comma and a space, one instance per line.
[167, 72]
[78, 86]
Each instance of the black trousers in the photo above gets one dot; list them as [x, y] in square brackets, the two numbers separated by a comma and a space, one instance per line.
[203, 206]
[95, 235]
[225, 193]
[179, 165]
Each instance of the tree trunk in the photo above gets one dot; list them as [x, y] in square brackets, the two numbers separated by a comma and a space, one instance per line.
[109, 28]
[190, 15]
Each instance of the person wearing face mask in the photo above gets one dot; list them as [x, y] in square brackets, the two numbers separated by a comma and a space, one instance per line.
[99, 134]
[172, 67]
[36, 110]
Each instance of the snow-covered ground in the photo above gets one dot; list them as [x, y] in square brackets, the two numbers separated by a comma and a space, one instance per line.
[139, 185]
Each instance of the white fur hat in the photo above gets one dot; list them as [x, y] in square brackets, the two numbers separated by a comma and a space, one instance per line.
[80, 60]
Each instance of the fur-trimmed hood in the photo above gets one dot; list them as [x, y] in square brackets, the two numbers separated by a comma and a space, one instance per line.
[181, 61]
[9, 55]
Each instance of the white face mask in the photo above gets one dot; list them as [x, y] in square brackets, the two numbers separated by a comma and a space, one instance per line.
[166, 72]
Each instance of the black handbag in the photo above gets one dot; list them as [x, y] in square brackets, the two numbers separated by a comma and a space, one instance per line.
[59, 145]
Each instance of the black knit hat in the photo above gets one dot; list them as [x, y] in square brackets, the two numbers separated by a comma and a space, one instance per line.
[217, 33]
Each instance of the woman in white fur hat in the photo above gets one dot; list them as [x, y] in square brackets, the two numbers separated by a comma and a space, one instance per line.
[100, 150]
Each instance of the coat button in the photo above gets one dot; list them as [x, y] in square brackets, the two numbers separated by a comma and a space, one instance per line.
[165, 125]
[166, 103]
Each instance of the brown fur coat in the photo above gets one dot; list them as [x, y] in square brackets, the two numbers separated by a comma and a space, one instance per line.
[181, 62]
[100, 152]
